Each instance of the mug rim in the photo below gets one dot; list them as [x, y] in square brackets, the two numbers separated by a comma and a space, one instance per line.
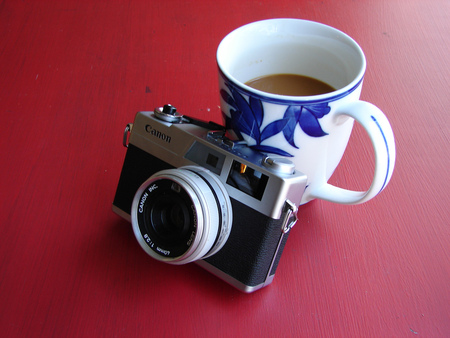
[286, 99]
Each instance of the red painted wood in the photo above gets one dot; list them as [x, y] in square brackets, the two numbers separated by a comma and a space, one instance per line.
[73, 73]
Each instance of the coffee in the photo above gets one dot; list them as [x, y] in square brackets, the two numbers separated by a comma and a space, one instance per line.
[290, 84]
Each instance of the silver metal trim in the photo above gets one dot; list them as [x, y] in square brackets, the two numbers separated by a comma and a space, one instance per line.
[232, 281]
[282, 187]
[279, 165]
[291, 213]
[126, 134]
[176, 118]
[121, 213]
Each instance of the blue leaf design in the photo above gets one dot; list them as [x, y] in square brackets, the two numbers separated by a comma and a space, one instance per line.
[247, 118]
[273, 128]
[293, 114]
[273, 150]
[318, 110]
[229, 124]
[239, 123]
[310, 125]
[246, 115]
[257, 109]
[228, 98]
[288, 133]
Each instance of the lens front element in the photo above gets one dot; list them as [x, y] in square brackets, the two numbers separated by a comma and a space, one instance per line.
[181, 215]
[170, 219]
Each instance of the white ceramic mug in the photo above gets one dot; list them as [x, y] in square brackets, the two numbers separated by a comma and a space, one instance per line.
[312, 130]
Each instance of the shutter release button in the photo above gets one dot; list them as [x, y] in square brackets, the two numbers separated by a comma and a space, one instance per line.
[279, 164]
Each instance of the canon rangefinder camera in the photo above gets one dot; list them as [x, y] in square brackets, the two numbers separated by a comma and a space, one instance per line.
[193, 195]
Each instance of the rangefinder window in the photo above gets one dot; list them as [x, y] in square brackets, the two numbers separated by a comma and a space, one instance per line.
[206, 157]
[247, 180]
[212, 160]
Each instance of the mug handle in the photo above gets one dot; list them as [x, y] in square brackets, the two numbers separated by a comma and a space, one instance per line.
[380, 132]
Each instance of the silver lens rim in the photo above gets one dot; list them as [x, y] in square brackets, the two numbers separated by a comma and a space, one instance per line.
[211, 206]
[223, 205]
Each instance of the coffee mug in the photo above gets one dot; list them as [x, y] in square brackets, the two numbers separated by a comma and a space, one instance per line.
[313, 130]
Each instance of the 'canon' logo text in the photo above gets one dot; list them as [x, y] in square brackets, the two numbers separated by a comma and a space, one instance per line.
[149, 129]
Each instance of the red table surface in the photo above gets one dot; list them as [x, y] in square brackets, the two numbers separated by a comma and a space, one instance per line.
[74, 73]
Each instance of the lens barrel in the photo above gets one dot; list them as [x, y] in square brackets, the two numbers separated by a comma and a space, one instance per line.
[181, 215]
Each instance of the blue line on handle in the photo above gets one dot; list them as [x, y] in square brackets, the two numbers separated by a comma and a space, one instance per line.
[387, 149]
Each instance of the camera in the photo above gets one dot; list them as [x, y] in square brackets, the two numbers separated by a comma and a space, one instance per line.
[194, 195]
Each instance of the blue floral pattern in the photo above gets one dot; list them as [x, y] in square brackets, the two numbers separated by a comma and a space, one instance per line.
[247, 118]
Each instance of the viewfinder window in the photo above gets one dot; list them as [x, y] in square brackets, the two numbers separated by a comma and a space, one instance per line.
[247, 180]
[206, 157]
[212, 160]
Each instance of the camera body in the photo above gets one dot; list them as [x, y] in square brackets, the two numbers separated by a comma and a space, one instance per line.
[192, 194]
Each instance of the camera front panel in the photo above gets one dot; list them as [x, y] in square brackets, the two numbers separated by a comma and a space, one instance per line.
[138, 166]
[254, 245]
[252, 252]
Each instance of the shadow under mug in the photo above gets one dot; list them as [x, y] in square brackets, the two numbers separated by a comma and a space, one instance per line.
[312, 130]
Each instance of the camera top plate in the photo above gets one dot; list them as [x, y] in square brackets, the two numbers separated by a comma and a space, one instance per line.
[273, 180]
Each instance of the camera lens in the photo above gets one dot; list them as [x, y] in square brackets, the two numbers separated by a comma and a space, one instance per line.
[181, 215]
[170, 219]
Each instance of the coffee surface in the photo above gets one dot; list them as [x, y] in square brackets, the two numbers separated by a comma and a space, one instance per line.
[290, 84]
